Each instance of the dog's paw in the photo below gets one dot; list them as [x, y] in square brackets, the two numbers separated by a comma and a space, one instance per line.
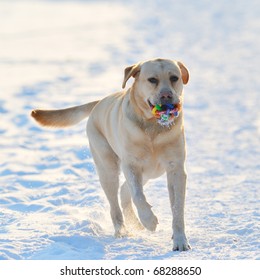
[149, 220]
[180, 243]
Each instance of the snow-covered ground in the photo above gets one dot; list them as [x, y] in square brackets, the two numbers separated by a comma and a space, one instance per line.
[55, 54]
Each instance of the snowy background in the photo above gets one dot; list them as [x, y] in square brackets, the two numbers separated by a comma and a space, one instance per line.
[55, 54]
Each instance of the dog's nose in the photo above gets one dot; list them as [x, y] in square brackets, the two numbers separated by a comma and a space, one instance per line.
[166, 96]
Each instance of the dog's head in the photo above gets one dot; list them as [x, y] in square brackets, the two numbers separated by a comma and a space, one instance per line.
[158, 82]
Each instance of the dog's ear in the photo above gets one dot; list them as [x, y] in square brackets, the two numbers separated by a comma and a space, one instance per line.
[184, 72]
[131, 71]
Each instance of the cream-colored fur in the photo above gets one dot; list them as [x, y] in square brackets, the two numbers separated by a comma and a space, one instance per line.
[124, 134]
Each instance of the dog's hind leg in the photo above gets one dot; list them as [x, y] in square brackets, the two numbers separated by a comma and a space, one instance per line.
[128, 211]
[107, 165]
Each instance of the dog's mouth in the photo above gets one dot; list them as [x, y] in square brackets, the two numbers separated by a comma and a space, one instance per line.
[166, 113]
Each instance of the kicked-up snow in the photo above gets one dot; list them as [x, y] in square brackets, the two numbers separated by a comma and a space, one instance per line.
[56, 54]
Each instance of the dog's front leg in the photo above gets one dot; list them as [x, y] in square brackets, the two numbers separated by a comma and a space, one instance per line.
[135, 183]
[176, 178]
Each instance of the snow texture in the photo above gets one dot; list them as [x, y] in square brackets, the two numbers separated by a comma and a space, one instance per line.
[55, 54]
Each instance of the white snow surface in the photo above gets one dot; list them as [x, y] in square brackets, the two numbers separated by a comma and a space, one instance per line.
[55, 54]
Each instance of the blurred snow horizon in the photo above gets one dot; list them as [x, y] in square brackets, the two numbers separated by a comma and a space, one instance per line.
[55, 54]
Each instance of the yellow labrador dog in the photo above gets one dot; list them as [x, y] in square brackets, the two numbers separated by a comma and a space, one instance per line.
[140, 130]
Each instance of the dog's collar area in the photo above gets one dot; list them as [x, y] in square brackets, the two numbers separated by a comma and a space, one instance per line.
[166, 113]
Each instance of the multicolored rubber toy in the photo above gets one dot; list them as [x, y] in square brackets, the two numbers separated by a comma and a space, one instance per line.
[165, 114]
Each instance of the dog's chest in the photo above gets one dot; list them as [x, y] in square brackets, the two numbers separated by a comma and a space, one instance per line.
[146, 153]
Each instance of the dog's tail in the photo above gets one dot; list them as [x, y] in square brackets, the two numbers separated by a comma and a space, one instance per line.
[63, 117]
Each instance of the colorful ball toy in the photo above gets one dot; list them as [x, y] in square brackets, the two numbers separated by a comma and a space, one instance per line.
[166, 113]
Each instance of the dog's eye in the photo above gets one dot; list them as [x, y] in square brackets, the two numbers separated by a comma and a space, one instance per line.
[153, 80]
[174, 79]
